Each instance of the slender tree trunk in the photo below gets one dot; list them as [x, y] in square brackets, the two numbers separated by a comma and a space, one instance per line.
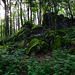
[24, 14]
[16, 25]
[14, 22]
[31, 14]
[40, 12]
[6, 19]
[28, 12]
[54, 2]
[48, 13]
[10, 19]
[18, 17]
[1, 27]
[21, 12]
[38, 15]
[70, 9]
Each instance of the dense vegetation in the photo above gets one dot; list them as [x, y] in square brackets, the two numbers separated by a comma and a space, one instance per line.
[47, 48]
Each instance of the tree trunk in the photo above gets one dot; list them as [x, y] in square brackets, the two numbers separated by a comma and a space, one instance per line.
[10, 20]
[21, 13]
[40, 12]
[28, 12]
[31, 14]
[18, 17]
[14, 22]
[38, 15]
[54, 3]
[70, 9]
[1, 27]
[6, 19]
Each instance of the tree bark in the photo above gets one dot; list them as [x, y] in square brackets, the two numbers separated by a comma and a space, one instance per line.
[28, 12]
[54, 3]
[10, 19]
[70, 9]
[21, 13]
[40, 11]
[6, 17]
[18, 17]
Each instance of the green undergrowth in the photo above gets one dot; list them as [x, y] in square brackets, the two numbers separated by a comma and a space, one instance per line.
[61, 63]
[18, 53]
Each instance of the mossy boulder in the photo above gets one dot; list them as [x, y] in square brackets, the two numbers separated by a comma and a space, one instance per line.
[37, 29]
[38, 37]
[44, 47]
[32, 46]
[56, 42]
[28, 24]
[36, 46]
[72, 51]
[24, 32]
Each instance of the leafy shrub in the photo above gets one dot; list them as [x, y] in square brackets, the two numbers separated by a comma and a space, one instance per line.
[56, 43]
[63, 63]
[72, 51]
[61, 32]
[48, 34]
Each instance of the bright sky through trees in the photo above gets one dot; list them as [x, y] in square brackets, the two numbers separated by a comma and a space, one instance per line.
[2, 10]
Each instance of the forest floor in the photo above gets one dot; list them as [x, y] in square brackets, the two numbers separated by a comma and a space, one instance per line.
[40, 57]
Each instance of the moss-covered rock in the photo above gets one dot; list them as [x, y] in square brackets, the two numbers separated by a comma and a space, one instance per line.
[36, 46]
[72, 51]
[32, 46]
[28, 24]
[44, 47]
[56, 43]
[37, 29]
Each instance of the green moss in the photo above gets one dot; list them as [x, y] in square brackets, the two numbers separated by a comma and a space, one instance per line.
[56, 43]
[36, 27]
[38, 37]
[20, 31]
[33, 43]
[72, 51]
[28, 24]
[61, 32]
[49, 34]
[27, 57]
[21, 44]
[44, 47]
[25, 31]
[1, 47]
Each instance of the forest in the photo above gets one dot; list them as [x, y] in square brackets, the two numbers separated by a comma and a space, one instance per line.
[37, 37]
